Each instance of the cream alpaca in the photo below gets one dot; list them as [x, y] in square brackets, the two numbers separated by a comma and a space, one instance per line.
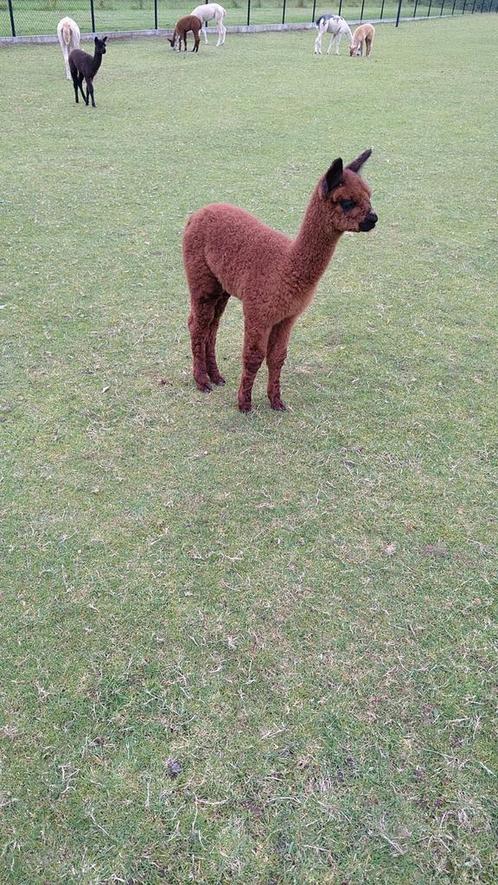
[68, 33]
[206, 12]
[362, 41]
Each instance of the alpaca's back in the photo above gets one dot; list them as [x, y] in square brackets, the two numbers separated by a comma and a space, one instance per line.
[239, 250]
[80, 60]
[188, 23]
[68, 33]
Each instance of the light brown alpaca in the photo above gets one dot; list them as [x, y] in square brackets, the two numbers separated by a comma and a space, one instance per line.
[182, 27]
[227, 251]
[362, 41]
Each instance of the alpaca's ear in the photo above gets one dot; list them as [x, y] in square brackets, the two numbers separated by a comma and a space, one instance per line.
[104, 39]
[332, 177]
[356, 165]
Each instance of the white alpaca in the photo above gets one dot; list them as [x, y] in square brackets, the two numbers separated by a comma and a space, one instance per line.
[334, 25]
[208, 11]
[68, 33]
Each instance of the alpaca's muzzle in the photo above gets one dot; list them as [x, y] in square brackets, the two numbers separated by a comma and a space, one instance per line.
[369, 222]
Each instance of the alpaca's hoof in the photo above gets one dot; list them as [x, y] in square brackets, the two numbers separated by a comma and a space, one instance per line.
[278, 405]
[204, 386]
[245, 406]
[217, 379]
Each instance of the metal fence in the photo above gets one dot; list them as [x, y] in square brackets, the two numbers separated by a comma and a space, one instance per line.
[39, 17]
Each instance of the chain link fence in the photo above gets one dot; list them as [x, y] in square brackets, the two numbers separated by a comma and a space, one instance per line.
[40, 17]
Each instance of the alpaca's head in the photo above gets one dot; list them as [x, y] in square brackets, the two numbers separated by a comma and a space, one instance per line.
[100, 45]
[172, 40]
[347, 196]
[355, 49]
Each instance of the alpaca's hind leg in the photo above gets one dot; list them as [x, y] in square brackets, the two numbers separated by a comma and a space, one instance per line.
[204, 31]
[205, 293]
[275, 358]
[199, 323]
[211, 365]
[221, 32]
[255, 345]
[80, 84]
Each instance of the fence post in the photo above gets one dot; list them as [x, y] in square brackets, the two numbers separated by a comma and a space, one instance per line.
[283, 13]
[429, 10]
[399, 12]
[415, 8]
[463, 7]
[340, 7]
[442, 7]
[362, 8]
[382, 10]
[155, 14]
[12, 25]
[92, 13]
[248, 12]
[314, 11]
[453, 8]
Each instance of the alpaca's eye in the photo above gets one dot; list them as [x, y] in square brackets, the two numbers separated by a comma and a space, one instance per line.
[347, 205]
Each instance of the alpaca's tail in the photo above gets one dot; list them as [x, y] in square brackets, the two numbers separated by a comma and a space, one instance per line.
[67, 34]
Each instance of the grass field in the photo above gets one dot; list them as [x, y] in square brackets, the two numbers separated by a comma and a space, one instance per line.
[252, 649]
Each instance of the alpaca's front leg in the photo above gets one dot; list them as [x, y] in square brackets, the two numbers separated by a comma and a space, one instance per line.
[318, 44]
[204, 31]
[275, 358]
[332, 39]
[89, 91]
[255, 344]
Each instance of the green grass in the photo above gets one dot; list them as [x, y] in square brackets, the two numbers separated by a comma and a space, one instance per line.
[41, 16]
[296, 608]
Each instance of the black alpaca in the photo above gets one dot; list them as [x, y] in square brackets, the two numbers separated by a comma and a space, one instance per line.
[84, 67]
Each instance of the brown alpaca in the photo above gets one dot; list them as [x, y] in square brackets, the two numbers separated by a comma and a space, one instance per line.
[362, 41]
[182, 27]
[227, 251]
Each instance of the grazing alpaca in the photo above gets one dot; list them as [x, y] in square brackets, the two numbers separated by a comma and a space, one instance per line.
[182, 27]
[227, 251]
[208, 11]
[68, 33]
[362, 41]
[84, 67]
[334, 25]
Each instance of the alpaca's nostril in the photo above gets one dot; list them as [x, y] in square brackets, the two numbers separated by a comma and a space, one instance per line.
[373, 217]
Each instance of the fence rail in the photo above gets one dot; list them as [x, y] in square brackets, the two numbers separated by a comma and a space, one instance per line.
[19, 18]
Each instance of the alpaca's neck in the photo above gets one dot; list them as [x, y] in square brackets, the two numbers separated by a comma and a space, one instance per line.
[314, 245]
[97, 61]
